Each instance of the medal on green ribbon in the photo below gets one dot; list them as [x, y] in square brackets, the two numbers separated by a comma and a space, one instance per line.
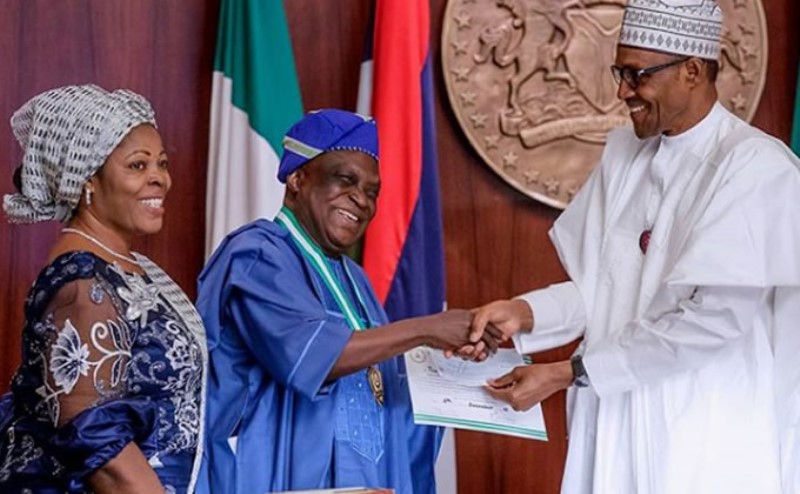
[316, 257]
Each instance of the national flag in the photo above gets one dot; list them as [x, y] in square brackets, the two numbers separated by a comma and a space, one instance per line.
[403, 254]
[255, 99]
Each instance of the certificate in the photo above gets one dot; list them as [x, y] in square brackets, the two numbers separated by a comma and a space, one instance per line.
[450, 392]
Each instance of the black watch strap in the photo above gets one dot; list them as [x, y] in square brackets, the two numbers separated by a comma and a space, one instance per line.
[580, 378]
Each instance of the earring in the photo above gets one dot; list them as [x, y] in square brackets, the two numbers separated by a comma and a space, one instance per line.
[88, 196]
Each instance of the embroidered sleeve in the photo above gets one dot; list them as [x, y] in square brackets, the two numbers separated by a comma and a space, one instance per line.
[88, 349]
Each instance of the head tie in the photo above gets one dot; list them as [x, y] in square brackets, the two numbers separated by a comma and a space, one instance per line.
[66, 135]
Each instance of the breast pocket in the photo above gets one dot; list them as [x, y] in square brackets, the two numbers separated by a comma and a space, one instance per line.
[622, 255]
[620, 276]
[359, 417]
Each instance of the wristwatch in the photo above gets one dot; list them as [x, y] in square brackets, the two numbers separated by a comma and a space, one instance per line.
[580, 378]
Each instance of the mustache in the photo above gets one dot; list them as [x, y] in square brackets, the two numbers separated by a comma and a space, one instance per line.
[632, 102]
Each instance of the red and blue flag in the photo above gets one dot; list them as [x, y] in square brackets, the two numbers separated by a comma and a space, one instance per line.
[403, 253]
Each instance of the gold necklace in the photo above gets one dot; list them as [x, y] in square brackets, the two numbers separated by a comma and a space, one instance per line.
[101, 245]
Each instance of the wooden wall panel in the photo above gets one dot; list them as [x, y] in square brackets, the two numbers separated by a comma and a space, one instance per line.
[774, 113]
[328, 40]
[161, 49]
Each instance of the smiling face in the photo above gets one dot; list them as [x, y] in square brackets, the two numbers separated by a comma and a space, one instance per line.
[662, 102]
[334, 198]
[129, 190]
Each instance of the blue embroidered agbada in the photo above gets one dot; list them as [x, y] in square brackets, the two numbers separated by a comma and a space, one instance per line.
[274, 334]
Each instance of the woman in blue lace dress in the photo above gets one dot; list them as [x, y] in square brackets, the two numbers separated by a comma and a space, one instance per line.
[109, 396]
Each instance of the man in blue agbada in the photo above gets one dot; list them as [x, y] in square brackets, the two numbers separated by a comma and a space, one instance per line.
[306, 389]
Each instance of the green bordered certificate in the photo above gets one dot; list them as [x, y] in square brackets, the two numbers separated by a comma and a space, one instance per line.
[450, 393]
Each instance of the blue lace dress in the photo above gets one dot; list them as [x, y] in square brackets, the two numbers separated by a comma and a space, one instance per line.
[109, 358]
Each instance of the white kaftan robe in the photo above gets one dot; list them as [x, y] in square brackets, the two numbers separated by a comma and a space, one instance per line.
[693, 388]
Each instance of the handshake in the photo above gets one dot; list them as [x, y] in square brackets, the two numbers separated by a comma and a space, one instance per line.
[476, 334]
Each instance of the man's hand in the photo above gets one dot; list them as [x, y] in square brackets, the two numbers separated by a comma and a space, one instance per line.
[490, 340]
[525, 386]
[501, 319]
[451, 331]
[507, 316]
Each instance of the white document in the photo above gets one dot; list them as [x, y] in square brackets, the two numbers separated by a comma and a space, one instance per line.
[450, 392]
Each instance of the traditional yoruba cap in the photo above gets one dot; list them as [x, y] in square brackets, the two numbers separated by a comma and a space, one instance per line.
[683, 27]
[327, 130]
[66, 134]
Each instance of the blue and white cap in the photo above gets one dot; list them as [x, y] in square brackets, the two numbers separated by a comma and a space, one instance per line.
[327, 130]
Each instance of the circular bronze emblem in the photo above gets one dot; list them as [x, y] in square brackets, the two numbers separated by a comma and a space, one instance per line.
[530, 84]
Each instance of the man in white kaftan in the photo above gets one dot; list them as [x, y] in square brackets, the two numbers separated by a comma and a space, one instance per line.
[683, 252]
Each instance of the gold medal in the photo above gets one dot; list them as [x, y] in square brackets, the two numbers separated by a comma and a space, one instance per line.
[375, 383]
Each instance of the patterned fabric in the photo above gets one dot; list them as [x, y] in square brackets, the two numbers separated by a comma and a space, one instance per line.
[327, 130]
[684, 27]
[122, 361]
[66, 134]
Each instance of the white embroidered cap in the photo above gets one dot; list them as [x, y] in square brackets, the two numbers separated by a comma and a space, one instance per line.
[66, 135]
[683, 27]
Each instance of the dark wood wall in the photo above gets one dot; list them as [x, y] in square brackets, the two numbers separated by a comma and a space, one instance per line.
[496, 238]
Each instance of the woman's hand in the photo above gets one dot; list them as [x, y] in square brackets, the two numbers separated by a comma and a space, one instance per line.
[128, 472]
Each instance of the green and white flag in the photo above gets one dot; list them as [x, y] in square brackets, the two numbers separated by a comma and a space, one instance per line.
[255, 99]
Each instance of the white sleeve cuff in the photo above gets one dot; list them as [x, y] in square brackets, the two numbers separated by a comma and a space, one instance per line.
[559, 318]
[608, 372]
